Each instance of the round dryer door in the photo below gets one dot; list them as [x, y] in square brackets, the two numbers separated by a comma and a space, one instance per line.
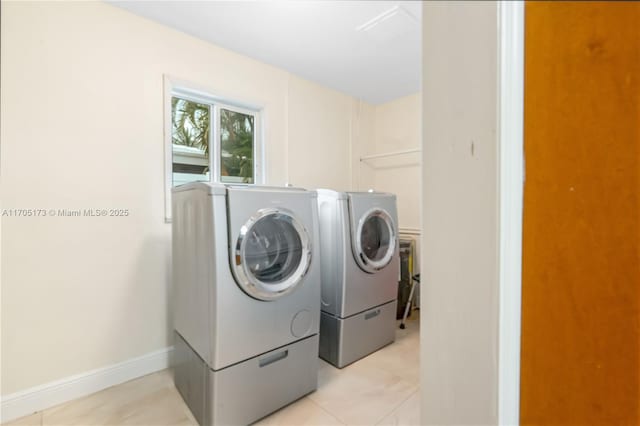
[272, 254]
[375, 240]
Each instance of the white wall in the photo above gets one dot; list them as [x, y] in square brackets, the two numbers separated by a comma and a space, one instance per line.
[459, 313]
[82, 127]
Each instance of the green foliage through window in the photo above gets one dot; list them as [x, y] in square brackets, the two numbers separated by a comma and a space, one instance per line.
[190, 137]
[190, 131]
[190, 124]
[236, 141]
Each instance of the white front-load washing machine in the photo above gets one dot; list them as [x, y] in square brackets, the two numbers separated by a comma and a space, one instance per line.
[246, 292]
[360, 267]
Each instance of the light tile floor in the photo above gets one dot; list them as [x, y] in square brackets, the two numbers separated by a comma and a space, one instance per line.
[381, 389]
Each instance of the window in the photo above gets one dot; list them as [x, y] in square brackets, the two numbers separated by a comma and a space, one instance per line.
[237, 139]
[190, 129]
[209, 139]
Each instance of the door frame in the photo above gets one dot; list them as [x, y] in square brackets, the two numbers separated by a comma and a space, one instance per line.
[512, 173]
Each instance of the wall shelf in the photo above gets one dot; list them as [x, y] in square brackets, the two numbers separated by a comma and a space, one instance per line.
[389, 154]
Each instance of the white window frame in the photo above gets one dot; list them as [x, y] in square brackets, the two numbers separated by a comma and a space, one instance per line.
[184, 90]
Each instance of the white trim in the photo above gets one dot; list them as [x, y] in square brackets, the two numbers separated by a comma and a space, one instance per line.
[259, 153]
[168, 146]
[50, 394]
[215, 148]
[511, 166]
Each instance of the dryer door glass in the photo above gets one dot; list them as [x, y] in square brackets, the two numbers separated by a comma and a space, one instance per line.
[272, 254]
[376, 240]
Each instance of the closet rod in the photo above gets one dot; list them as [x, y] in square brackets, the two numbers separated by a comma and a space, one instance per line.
[390, 154]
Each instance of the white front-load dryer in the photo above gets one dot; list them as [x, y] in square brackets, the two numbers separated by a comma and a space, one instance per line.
[360, 267]
[246, 290]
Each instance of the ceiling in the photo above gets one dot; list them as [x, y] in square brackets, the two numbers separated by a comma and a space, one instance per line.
[367, 49]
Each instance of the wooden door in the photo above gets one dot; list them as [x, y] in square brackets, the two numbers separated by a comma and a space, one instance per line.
[581, 260]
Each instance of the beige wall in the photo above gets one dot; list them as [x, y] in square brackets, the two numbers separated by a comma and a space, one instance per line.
[397, 128]
[459, 300]
[319, 136]
[82, 127]
[363, 142]
[391, 127]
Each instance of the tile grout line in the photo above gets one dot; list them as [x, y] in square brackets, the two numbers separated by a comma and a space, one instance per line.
[325, 410]
[417, 389]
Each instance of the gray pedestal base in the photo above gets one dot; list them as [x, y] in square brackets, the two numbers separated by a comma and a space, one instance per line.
[247, 391]
[345, 340]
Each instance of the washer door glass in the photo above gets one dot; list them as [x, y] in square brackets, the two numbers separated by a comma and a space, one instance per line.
[376, 240]
[272, 254]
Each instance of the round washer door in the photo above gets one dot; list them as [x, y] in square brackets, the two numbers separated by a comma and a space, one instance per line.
[272, 254]
[375, 240]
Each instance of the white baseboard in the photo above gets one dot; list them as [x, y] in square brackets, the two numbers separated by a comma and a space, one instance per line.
[50, 394]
